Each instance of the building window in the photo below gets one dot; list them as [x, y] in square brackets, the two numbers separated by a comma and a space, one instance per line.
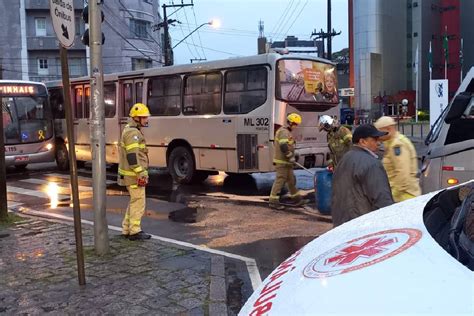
[140, 63]
[75, 67]
[40, 24]
[415, 34]
[139, 28]
[78, 24]
[42, 66]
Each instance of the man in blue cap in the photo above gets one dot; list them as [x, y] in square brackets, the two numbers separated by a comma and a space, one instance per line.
[360, 183]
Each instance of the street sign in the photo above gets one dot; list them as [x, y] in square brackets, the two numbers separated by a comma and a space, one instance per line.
[346, 92]
[62, 15]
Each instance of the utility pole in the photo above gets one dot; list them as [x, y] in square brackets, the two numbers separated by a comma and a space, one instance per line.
[3, 177]
[329, 31]
[168, 51]
[97, 130]
[327, 35]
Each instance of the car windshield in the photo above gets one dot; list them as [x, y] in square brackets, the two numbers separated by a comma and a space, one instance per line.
[26, 119]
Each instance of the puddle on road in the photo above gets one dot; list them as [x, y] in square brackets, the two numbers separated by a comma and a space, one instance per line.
[269, 253]
[187, 215]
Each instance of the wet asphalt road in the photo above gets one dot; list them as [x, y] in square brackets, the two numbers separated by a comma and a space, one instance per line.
[168, 213]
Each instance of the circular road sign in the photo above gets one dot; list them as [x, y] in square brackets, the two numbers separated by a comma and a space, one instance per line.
[62, 15]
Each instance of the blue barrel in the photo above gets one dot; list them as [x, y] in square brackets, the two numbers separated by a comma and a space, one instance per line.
[323, 191]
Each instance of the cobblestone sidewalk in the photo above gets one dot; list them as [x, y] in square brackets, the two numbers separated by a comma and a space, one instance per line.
[38, 275]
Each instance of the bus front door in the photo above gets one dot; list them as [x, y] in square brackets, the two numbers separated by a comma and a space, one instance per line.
[131, 92]
[81, 98]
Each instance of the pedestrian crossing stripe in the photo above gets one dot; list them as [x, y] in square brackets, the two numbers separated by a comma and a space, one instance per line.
[12, 189]
[60, 185]
[64, 176]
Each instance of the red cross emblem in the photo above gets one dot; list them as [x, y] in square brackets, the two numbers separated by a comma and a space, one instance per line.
[362, 252]
[367, 249]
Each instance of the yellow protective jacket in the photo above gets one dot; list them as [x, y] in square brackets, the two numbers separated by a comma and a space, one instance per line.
[339, 142]
[133, 155]
[284, 146]
[401, 163]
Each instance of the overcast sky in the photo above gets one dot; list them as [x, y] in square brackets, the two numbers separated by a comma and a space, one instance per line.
[238, 33]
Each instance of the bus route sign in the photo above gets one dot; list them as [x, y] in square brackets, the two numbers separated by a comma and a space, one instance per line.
[62, 15]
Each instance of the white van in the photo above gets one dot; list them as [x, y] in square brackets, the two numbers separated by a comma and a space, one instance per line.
[449, 159]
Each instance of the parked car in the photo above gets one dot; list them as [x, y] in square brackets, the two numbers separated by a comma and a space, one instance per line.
[404, 259]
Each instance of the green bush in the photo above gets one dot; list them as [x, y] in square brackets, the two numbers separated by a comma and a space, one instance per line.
[423, 115]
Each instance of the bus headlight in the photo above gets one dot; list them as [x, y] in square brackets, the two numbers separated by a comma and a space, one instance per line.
[49, 147]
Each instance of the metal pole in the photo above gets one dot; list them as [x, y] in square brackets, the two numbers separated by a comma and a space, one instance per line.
[3, 177]
[73, 166]
[167, 38]
[329, 32]
[97, 130]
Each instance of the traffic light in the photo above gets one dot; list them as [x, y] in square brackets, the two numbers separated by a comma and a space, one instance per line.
[85, 18]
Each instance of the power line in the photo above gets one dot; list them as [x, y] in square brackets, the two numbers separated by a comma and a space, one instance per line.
[283, 20]
[136, 48]
[182, 32]
[296, 18]
[282, 16]
[290, 16]
[192, 36]
[199, 35]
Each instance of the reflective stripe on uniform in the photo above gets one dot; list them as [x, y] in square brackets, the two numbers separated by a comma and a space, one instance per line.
[347, 136]
[138, 169]
[134, 186]
[282, 162]
[283, 141]
[133, 146]
[126, 173]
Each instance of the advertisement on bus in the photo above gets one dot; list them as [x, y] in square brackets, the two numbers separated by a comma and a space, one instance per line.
[307, 81]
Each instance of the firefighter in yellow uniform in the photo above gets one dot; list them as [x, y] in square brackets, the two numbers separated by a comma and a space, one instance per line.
[133, 171]
[400, 161]
[339, 139]
[284, 158]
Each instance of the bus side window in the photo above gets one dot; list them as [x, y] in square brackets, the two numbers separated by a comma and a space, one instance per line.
[202, 94]
[164, 95]
[78, 105]
[56, 99]
[109, 100]
[139, 92]
[245, 90]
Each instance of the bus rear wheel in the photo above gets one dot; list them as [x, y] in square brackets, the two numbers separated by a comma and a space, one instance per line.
[62, 157]
[182, 167]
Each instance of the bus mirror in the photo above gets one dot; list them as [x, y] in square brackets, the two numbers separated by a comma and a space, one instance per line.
[458, 107]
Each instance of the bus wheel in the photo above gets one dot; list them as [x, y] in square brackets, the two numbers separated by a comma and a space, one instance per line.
[181, 165]
[21, 167]
[62, 157]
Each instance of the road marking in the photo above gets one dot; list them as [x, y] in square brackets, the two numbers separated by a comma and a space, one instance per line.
[61, 185]
[251, 264]
[34, 193]
[64, 176]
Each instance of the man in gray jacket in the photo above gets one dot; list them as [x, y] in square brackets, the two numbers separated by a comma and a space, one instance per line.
[360, 183]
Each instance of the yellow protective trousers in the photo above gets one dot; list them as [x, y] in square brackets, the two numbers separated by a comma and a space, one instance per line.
[136, 208]
[284, 174]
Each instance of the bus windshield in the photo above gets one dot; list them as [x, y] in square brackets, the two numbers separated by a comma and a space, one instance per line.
[26, 119]
[301, 81]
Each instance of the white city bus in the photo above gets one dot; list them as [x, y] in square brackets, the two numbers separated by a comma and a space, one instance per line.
[212, 116]
[27, 123]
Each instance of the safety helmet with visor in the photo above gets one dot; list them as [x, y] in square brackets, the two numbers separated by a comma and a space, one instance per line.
[326, 122]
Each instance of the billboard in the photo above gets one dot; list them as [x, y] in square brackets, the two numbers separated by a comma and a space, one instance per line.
[438, 98]
[307, 81]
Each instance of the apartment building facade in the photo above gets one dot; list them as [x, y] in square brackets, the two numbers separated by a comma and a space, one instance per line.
[30, 50]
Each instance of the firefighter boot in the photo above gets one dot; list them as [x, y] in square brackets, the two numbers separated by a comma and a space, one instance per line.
[299, 201]
[139, 236]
